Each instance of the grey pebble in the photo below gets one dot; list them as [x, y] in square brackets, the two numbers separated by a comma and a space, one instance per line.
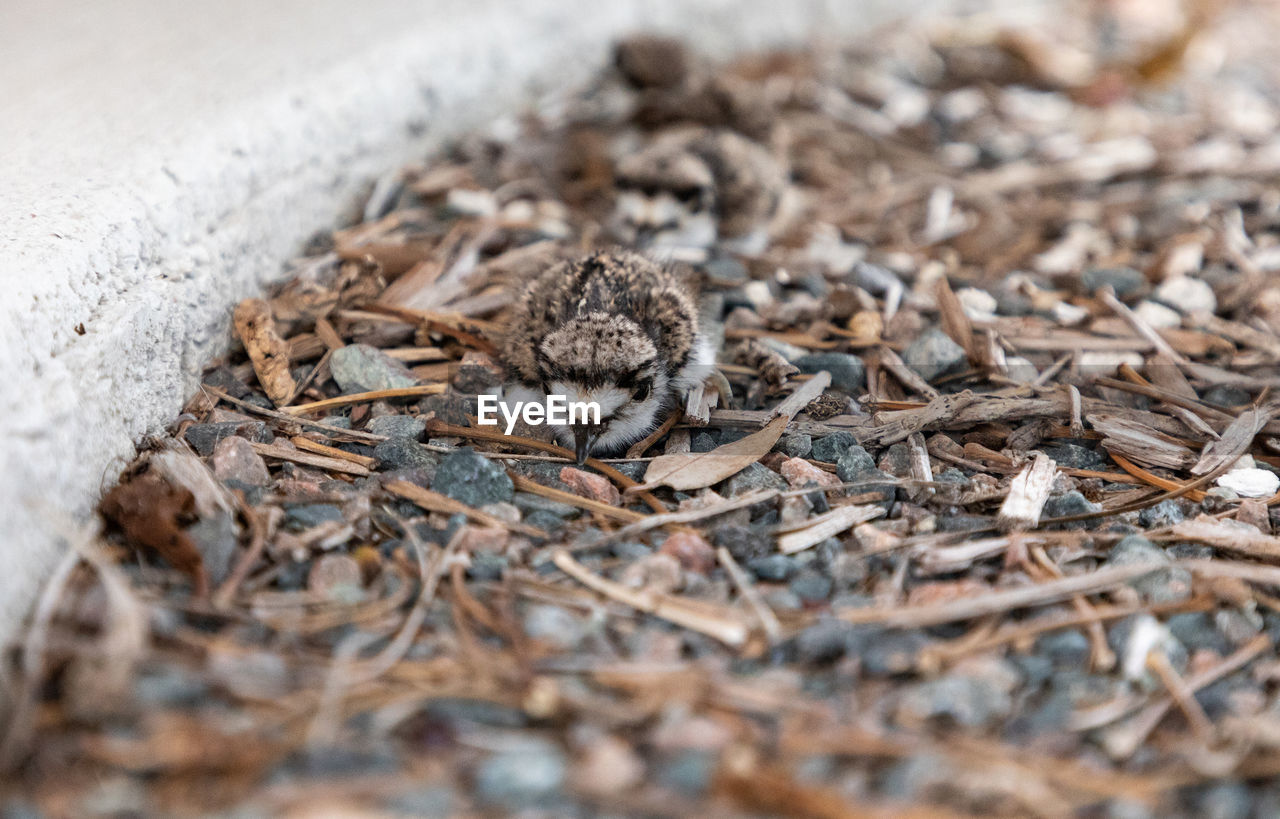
[1125, 281]
[307, 515]
[405, 453]
[829, 448]
[361, 368]
[811, 587]
[972, 702]
[204, 437]
[795, 445]
[848, 374]
[1168, 586]
[397, 426]
[522, 777]
[1067, 504]
[933, 354]
[772, 568]
[688, 772]
[470, 478]
[554, 626]
[751, 479]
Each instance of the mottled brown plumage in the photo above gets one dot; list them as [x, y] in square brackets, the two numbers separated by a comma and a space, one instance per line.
[611, 327]
[629, 308]
[697, 184]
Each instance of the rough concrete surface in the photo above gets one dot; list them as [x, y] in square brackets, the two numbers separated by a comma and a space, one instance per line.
[162, 159]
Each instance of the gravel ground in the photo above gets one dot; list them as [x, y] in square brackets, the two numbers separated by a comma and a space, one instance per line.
[1010, 551]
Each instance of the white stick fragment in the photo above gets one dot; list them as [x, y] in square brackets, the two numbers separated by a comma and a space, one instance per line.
[828, 525]
[1027, 494]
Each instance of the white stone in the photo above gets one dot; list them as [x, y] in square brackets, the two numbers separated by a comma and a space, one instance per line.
[978, 305]
[1021, 369]
[1251, 483]
[470, 202]
[1158, 315]
[1067, 313]
[1104, 363]
[1186, 294]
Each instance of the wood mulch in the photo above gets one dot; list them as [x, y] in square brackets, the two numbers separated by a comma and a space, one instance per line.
[988, 530]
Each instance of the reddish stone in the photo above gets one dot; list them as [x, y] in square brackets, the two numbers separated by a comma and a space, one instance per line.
[693, 553]
[590, 485]
[800, 473]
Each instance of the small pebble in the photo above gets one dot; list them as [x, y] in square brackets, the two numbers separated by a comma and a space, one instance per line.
[1168, 586]
[471, 478]
[608, 765]
[307, 515]
[1186, 295]
[693, 553]
[829, 448]
[795, 445]
[591, 485]
[405, 453]
[772, 568]
[969, 701]
[335, 576]
[752, 479]
[978, 305]
[811, 587]
[800, 473]
[848, 374]
[397, 426]
[933, 354]
[1157, 315]
[361, 368]
[554, 626]
[204, 437]
[233, 459]
[1251, 483]
[745, 543]
[1125, 281]
[522, 777]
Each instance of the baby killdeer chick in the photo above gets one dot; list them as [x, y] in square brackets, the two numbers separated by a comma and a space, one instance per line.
[614, 328]
[692, 187]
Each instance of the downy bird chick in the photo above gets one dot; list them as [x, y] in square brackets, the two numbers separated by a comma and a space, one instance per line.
[614, 328]
[691, 187]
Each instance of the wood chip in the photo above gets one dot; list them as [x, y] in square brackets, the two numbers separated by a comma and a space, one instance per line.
[831, 524]
[1028, 492]
[267, 350]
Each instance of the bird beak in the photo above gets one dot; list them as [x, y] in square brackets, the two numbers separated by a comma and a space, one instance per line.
[583, 437]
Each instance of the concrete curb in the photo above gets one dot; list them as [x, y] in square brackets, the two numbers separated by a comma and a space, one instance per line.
[164, 159]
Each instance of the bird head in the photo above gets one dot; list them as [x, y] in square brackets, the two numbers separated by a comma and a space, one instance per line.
[607, 362]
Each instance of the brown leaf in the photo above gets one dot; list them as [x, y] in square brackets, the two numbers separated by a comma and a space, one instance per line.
[695, 470]
[152, 513]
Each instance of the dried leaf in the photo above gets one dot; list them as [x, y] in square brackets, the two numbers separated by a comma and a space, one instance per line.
[153, 513]
[695, 470]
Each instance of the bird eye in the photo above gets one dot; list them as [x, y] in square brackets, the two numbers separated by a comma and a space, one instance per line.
[641, 392]
[688, 196]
